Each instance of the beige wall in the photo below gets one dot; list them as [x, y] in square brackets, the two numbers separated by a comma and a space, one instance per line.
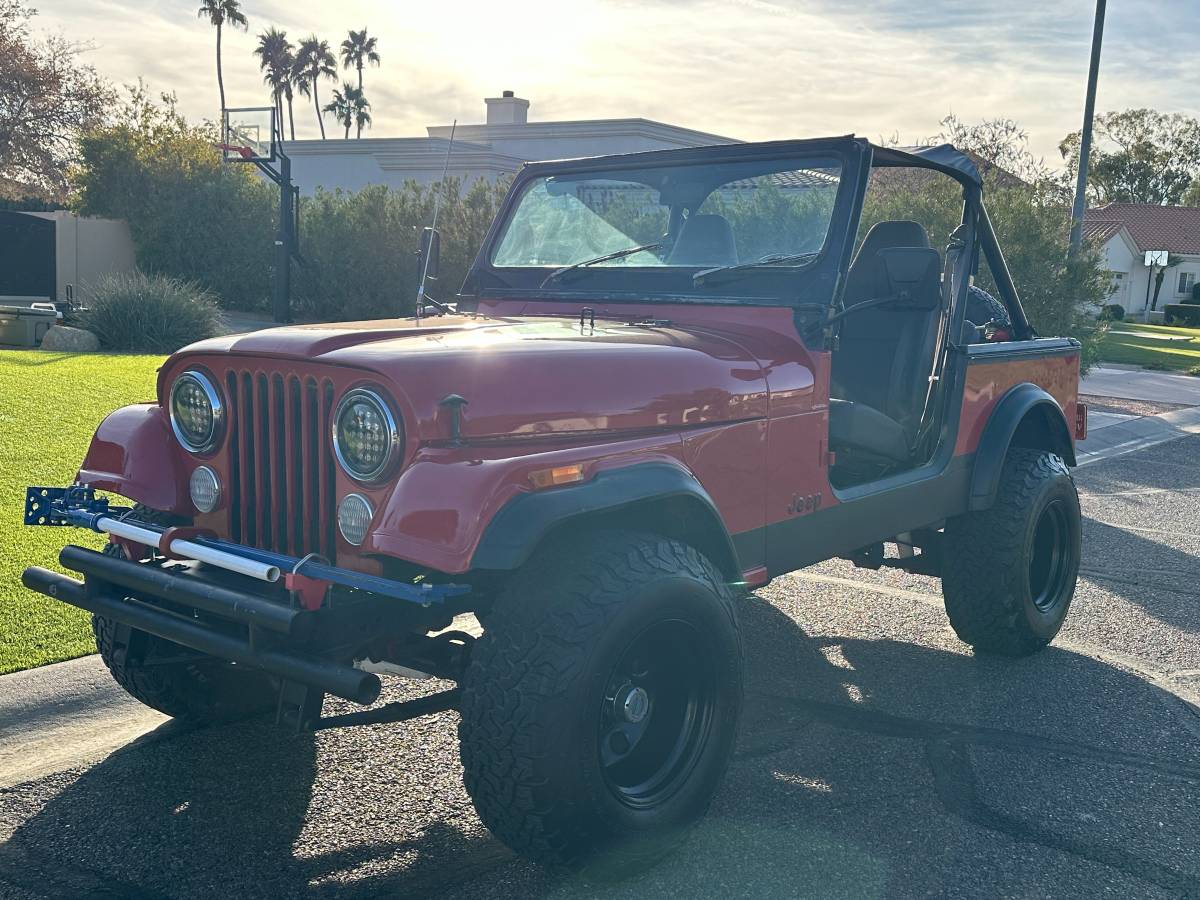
[86, 249]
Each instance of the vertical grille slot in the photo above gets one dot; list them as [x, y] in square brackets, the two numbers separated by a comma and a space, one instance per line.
[281, 466]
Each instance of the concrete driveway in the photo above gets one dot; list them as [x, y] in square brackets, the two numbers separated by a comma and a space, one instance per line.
[878, 758]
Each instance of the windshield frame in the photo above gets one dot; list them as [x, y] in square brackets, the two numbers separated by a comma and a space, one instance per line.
[764, 284]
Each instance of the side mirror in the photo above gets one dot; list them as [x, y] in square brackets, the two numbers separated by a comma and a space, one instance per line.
[429, 254]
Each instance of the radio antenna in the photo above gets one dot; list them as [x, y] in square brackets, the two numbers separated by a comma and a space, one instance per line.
[437, 204]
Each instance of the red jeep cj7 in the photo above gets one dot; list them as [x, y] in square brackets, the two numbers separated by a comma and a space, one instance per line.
[669, 378]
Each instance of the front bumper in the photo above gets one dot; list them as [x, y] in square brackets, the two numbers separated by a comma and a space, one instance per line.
[305, 627]
[217, 620]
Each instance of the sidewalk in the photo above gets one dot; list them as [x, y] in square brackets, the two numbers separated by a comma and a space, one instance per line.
[1141, 384]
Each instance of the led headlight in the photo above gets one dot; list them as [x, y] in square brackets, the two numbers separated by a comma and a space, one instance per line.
[197, 414]
[366, 436]
[354, 516]
[205, 489]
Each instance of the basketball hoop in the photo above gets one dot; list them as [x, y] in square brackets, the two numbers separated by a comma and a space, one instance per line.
[248, 134]
[242, 153]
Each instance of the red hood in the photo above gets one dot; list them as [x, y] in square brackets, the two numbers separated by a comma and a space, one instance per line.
[525, 375]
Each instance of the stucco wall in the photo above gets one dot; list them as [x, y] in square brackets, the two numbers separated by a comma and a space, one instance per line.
[87, 249]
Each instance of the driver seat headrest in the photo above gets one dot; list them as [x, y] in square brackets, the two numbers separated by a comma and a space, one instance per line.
[705, 240]
[867, 277]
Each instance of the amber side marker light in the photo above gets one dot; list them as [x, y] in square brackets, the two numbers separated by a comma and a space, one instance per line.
[544, 478]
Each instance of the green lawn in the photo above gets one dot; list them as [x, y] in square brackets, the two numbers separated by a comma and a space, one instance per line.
[50, 403]
[1142, 345]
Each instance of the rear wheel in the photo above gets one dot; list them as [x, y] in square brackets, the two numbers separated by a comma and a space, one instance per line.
[173, 679]
[1009, 573]
[600, 707]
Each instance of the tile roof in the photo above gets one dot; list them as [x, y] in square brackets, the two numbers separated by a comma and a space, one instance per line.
[1174, 228]
[1099, 230]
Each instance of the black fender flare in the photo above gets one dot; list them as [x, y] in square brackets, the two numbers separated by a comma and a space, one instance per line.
[1021, 404]
[525, 520]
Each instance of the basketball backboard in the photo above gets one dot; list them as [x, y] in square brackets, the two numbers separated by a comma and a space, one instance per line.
[248, 134]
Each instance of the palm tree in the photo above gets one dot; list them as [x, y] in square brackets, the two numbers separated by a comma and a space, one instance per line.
[362, 114]
[218, 13]
[275, 58]
[313, 62]
[349, 107]
[358, 50]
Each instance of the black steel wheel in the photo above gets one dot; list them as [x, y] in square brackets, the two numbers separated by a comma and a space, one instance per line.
[600, 707]
[656, 714]
[1009, 573]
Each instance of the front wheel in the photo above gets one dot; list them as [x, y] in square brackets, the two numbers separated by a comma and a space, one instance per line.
[1010, 571]
[600, 707]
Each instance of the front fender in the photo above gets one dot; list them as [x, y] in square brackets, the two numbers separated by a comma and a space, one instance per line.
[133, 454]
[452, 509]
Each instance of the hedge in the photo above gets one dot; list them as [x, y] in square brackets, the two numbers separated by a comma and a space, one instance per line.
[1182, 314]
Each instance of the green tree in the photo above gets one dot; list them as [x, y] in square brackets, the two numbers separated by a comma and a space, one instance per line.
[1139, 156]
[1192, 197]
[358, 49]
[348, 107]
[192, 217]
[276, 59]
[219, 13]
[47, 96]
[314, 61]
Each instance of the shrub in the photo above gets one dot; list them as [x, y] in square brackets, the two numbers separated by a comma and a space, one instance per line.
[1181, 314]
[360, 248]
[150, 313]
[191, 216]
[1113, 312]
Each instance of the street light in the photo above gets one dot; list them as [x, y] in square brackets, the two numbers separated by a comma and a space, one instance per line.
[1085, 139]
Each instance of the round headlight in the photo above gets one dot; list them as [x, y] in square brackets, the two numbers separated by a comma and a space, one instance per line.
[205, 488]
[197, 414]
[366, 436]
[354, 516]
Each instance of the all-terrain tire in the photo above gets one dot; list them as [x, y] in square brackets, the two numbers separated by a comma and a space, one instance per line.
[540, 760]
[1009, 572]
[204, 691]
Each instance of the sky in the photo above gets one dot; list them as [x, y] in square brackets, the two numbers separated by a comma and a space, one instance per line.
[749, 69]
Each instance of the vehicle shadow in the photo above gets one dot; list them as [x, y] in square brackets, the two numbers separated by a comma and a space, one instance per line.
[865, 767]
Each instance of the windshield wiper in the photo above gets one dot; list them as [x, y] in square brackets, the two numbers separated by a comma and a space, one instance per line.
[773, 260]
[616, 254]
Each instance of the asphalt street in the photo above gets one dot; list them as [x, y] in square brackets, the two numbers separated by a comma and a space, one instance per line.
[878, 758]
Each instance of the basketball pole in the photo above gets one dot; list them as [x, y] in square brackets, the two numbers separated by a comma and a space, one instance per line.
[285, 240]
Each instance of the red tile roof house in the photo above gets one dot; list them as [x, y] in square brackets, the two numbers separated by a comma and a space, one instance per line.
[1127, 232]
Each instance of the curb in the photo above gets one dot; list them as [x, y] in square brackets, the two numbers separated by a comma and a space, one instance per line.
[1147, 431]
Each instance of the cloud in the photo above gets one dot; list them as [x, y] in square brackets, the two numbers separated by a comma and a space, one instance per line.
[753, 69]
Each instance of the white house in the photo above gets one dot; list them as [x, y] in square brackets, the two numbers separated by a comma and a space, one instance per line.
[499, 146]
[1128, 231]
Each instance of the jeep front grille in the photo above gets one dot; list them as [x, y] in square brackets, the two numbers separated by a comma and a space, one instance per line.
[281, 462]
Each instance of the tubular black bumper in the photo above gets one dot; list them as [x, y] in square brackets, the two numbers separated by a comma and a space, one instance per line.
[228, 623]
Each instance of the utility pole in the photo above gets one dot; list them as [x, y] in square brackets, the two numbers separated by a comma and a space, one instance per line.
[1085, 140]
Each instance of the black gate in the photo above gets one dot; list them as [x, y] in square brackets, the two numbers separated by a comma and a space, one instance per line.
[27, 259]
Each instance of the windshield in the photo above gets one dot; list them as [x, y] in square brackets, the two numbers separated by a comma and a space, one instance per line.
[697, 217]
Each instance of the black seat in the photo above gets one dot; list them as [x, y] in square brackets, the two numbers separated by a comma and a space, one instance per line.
[859, 428]
[705, 240]
[885, 352]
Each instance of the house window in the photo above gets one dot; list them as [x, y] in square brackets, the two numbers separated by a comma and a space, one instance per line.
[1187, 281]
[1117, 284]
